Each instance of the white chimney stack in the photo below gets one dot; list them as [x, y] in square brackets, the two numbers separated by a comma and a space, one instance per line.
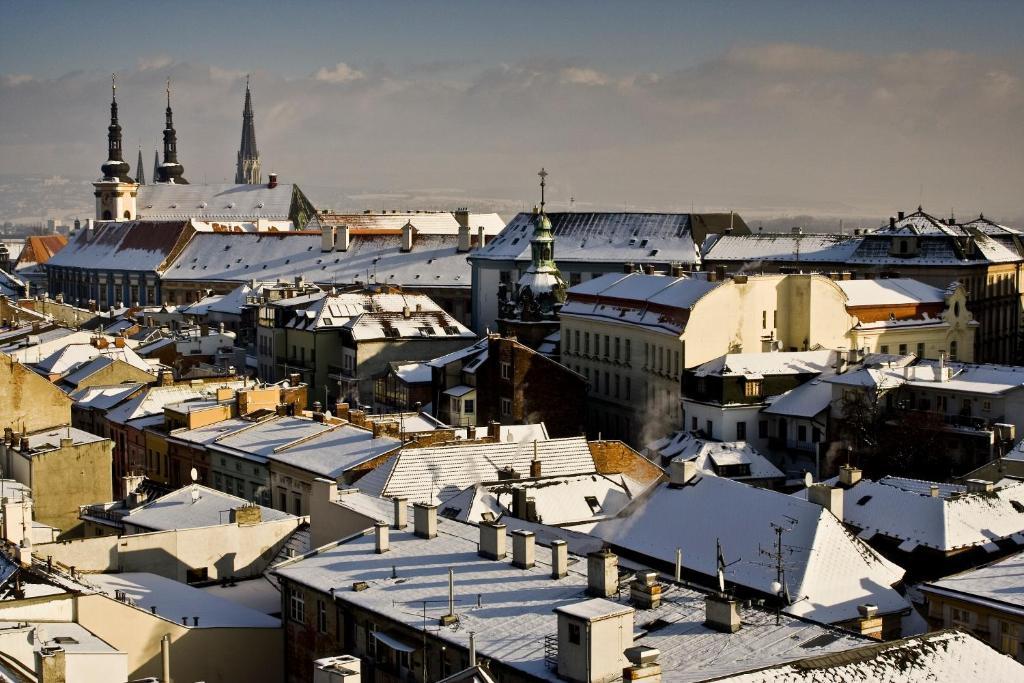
[559, 559]
[382, 541]
[828, 497]
[401, 512]
[492, 540]
[407, 234]
[602, 573]
[680, 472]
[342, 238]
[327, 238]
[523, 549]
[425, 520]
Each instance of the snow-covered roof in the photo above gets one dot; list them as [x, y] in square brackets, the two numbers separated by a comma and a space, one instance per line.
[164, 201]
[103, 361]
[559, 500]
[889, 292]
[434, 260]
[203, 436]
[437, 473]
[259, 441]
[811, 248]
[710, 455]
[123, 245]
[942, 657]
[960, 377]
[49, 439]
[333, 452]
[71, 357]
[767, 364]
[953, 520]
[151, 402]
[379, 316]
[999, 585]
[425, 222]
[517, 606]
[10, 285]
[592, 236]
[829, 572]
[177, 510]
[536, 431]
[462, 354]
[173, 600]
[658, 302]
[806, 401]
[412, 373]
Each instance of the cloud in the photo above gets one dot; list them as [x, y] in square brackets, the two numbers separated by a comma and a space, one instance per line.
[774, 128]
[341, 73]
[150, 63]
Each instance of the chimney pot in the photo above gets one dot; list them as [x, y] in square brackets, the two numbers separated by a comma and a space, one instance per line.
[272, 182]
[849, 475]
[343, 237]
[721, 613]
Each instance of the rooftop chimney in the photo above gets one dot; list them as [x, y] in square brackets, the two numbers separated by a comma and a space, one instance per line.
[382, 544]
[342, 238]
[849, 475]
[425, 520]
[870, 623]
[680, 472]
[523, 549]
[272, 182]
[644, 665]
[471, 432]
[628, 268]
[401, 512]
[933, 491]
[462, 217]
[721, 613]
[828, 497]
[494, 430]
[892, 221]
[492, 540]
[407, 235]
[559, 559]
[602, 573]
[481, 237]
[645, 591]
[942, 367]
[327, 238]
[900, 215]
[593, 637]
[979, 486]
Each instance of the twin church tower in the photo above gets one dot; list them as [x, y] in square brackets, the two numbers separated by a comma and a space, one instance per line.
[116, 191]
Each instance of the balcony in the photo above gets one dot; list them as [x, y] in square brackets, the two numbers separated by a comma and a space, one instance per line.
[960, 423]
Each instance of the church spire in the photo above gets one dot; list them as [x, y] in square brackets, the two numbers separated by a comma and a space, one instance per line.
[140, 173]
[247, 168]
[156, 166]
[170, 171]
[114, 168]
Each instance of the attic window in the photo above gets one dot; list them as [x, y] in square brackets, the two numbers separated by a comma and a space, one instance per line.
[820, 641]
[486, 516]
[328, 321]
[227, 247]
[863, 500]
[643, 242]
[654, 252]
[450, 512]
[595, 507]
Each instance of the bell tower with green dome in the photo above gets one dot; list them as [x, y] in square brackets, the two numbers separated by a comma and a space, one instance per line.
[531, 311]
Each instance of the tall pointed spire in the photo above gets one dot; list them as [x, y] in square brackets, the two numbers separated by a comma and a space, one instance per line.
[114, 168]
[247, 168]
[140, 172]
[156, 166]
[170, 171]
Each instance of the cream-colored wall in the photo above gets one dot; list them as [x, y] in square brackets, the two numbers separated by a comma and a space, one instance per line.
[329, 521]
[213, 655]
[225, 550]
[27, 401]
[60, 607]
[64, 478]
[800, 311]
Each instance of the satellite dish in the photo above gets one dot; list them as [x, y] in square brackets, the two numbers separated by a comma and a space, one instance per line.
[808, 479]
[194, 473]
[721, 581]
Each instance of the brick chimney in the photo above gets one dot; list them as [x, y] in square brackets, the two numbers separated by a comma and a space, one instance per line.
[643, 666]
[494, 430]
[645, 591]
[272, 181]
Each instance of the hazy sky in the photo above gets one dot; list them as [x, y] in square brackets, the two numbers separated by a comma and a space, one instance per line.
[766, 107]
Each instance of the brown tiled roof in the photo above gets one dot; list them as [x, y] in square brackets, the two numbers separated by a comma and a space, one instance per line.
[39, 248]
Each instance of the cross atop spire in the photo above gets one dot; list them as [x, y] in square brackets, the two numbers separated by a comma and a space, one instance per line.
[168, 93]
[543, 182]
[113, 87]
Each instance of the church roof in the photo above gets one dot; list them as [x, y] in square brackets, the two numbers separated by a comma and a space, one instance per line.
[123, 245]
[215, 202]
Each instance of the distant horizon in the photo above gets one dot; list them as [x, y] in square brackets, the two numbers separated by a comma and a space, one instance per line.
[845, 110]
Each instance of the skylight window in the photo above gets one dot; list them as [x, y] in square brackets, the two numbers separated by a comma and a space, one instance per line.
[595, 507]
[863, 500]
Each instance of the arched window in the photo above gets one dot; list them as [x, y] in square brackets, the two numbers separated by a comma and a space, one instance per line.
[128, 214]
[952, 350]
[106, 216]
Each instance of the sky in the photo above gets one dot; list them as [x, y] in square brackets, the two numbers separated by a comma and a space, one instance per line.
[769, 108]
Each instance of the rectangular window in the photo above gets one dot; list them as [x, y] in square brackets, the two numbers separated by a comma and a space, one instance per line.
[469, 405]
[574, 633]
[903, 349]
[741, 431]
[920, 349]
[586, 343]
[764, 320]
[297, 503]
[575, 279]
[884, 348]
[506, 370]
[617, 382]
[321, 616]
[576, 338]
[710, 431]
[296, 605]
[801, 433]
[752, 388]
[762, 429]
[506, 407]
[629, 388]
[629, 353]
[693, 423]
[607, 384]
[618, 347]
[607, 346]
[986, 406]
